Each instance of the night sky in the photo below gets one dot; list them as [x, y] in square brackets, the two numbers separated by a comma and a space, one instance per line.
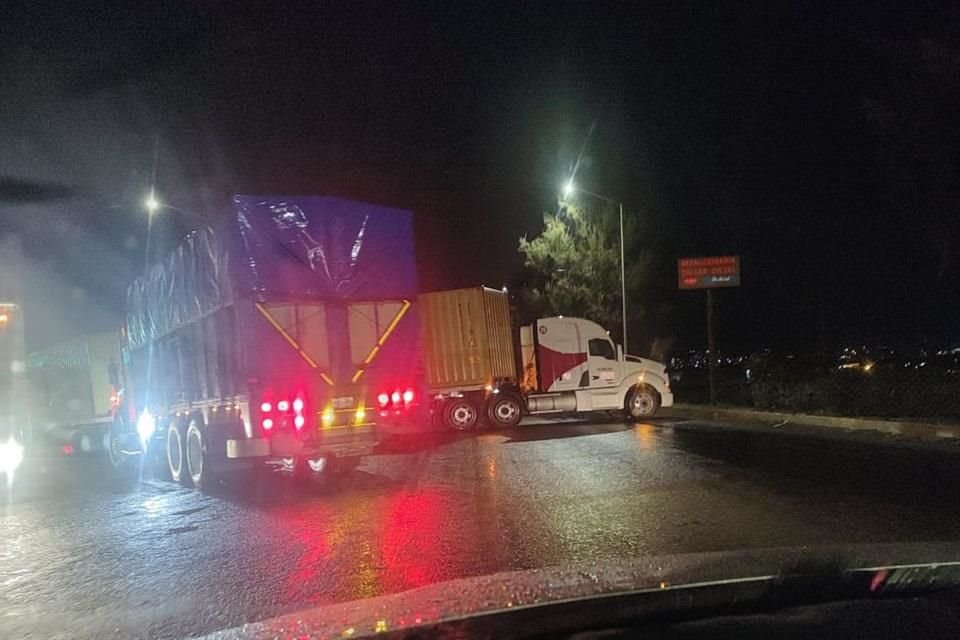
[820, 142]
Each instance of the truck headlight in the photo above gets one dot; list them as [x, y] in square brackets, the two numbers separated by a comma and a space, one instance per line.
[146, 425]
[11, 455]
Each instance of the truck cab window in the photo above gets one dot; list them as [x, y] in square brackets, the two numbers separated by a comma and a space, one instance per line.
[602, 348]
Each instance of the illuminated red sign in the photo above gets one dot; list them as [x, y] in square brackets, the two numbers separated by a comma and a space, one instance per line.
[708, 273]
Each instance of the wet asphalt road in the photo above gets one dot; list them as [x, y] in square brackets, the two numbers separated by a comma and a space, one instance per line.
[80, 558]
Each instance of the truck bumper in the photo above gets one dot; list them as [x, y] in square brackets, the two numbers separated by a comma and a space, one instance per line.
[248, 448]
[338, 442]
[417, 419]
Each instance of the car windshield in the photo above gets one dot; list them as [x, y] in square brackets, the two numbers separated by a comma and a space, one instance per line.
[304, 305]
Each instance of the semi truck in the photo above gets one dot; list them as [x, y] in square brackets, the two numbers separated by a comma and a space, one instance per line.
[477, 367]
[72, 397]
[264, 339]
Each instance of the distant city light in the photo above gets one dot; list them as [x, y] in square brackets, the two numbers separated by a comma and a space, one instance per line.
[151, 203]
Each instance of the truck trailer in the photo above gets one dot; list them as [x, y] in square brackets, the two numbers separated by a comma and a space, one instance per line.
[72, 396]
[476, 366]
[264, 339]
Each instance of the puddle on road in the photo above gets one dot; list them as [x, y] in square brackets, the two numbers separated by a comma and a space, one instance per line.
[186, 529]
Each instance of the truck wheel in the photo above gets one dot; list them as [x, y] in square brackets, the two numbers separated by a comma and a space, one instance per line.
[122, 464]
[642, 402]
[198, 458]
[505, 410]
[114, 443]
[176, 455]
[460, 414]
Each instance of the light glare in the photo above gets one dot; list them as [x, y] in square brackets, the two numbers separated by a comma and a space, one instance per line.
[11, 455]
[327, 416]
[146, 425]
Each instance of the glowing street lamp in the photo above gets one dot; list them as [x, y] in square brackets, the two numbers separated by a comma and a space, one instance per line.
[151, 203]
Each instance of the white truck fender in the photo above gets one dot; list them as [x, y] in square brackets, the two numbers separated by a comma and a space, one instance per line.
[656, 379]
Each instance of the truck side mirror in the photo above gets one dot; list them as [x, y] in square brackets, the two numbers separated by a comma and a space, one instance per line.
[113, 374]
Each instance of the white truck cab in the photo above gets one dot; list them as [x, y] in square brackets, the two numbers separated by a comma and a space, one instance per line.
[572, 365]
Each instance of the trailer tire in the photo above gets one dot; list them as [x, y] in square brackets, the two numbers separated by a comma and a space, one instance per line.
[460, 414]
[114, 444]
[642, 401]
[123, 466]
[198, 456]
[505, 410]
[176, 452]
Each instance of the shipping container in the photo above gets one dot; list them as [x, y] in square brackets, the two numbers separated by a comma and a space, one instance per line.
[70, 381]
[467, 339]
[71, 390]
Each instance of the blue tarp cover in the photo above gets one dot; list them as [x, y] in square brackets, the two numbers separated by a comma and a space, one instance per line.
[274, 248]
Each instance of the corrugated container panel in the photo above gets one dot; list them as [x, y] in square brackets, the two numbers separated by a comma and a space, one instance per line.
[500, 332]
[466, 337]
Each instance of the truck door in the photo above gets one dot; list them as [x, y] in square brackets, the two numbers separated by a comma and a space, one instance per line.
[561, 359]
[602, 363]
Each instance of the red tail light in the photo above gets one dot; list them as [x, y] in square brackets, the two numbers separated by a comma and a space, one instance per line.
[283, 405]
[298, 405]
[267, 424]
[396, 400]
[67, 449]
[266, 407]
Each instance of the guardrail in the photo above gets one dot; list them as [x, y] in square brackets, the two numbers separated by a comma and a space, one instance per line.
[910, 428]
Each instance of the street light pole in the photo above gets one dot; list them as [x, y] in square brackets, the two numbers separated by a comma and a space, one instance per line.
[567, 192]
[623, 283]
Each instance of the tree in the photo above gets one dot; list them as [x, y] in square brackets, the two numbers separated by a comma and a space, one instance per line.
[576, 266]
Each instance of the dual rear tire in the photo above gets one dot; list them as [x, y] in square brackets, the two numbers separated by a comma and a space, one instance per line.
[502, 410]
[460, 414]
[505, 410]
[189, 455]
